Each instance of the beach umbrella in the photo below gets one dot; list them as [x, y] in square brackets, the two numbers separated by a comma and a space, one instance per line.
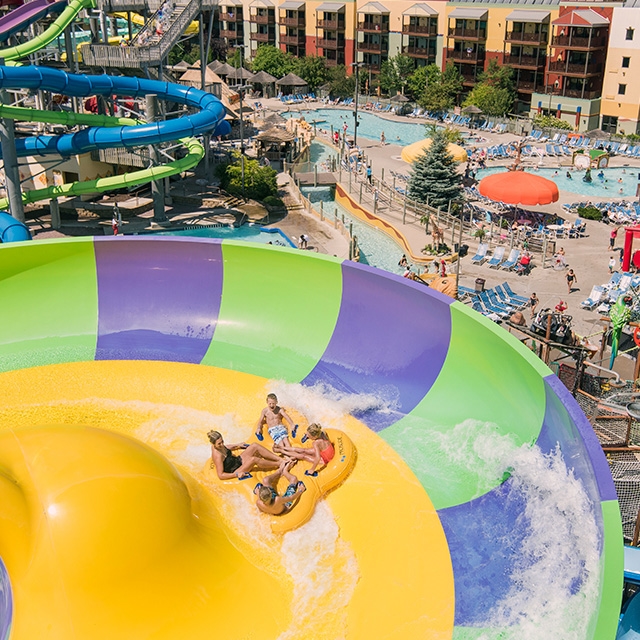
[519, 187]
[411, 152]
[472, 109]
[399, 98]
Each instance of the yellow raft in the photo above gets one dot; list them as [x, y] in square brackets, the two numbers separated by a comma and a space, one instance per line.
[328, 478]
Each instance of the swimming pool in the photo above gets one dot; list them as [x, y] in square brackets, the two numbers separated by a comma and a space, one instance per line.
[248, 232]
[371, 125]
[615, 178]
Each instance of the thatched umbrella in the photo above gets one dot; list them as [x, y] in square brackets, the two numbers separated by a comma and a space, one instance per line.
[472, 110]
[290, 82]
[239, 74]
[265, 81]
[399, 97]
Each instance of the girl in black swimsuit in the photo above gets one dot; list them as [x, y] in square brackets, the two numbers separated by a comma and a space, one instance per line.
[228, 465]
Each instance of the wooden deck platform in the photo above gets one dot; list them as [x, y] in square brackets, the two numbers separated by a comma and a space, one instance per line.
[309, 179]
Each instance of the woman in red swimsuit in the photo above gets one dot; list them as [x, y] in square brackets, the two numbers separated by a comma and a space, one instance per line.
[320, 453]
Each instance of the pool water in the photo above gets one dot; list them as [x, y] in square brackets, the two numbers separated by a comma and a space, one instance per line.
[370, 127]
[607, 187]
[247, 232]
[376, 248]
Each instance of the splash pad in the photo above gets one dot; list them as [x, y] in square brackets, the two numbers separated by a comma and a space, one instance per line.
[480, 506]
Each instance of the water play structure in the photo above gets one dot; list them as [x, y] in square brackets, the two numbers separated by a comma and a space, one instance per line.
[480, 506]
[107, 131]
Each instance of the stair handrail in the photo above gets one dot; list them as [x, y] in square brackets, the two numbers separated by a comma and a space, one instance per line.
[178, 26]
[148, 25]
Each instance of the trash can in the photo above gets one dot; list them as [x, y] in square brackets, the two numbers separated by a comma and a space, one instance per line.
[480, 284]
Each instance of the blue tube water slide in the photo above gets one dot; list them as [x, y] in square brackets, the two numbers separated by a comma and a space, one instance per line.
[209, 118]
[12, 230]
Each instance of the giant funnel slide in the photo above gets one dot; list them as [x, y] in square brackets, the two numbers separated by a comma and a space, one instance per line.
[480, 504]
[110, 132]
[20, 18]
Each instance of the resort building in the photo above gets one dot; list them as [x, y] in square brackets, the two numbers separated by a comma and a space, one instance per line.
[620, 93]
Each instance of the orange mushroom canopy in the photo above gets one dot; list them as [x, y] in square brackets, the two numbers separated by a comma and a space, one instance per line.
[519, 187]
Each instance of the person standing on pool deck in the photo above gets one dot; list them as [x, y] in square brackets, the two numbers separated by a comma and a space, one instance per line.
[533, 303]
[273, 415]
[571, 280]
[612, 237]
[383, 139]
[369, 174]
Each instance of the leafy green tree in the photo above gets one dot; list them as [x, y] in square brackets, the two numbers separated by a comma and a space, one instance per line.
[260, 182]
[340, 84]
[495, 92]
[394, 74]
[442, 88]
[273, 60]
[550, 122]
[417, 82]
[313, 70]
[451, 134]
[434, 178]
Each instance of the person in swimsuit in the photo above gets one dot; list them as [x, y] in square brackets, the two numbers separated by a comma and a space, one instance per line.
[571, 280]
[269, 501]
[253, 457]
[320, 453]
[272, 415]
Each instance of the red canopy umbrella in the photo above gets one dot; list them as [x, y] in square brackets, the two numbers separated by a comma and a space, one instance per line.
[519, 187]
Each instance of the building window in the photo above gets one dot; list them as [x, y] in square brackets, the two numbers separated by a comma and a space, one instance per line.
[622, 89]
[629, 34]
[625, 62]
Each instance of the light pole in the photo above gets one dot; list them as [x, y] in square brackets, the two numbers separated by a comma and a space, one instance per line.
[357, 66]
[240, 88]
[461, 204]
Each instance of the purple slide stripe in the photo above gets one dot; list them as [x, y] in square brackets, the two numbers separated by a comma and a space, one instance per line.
[390, 341]
[169, 307]
[564, 427]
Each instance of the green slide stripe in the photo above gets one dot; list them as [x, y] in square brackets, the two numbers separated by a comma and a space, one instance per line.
[612, 570]
[281, 331]
[503, 390]
[52, 316]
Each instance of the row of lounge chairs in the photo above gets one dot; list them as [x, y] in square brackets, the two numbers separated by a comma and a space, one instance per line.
[297, 98]
[618, 212]
[497, 259]
[603, 297]
[498, 301]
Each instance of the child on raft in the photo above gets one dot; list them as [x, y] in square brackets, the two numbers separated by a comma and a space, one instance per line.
[320, 453]
[272, 416]
[269, 501]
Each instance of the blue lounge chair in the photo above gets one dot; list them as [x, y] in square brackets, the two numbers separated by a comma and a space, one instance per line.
[518, 302]
[511, 261]
[594, 298]
[512, 295]
[496, 258]
[481, 254]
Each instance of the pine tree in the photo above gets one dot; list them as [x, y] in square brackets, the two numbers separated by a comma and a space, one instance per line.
[434, 178]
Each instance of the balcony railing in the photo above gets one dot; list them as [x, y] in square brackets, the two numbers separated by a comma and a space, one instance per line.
[257, 19]
[371, 26]
[329, 43]
[563, 68]
[419, 52]
[298, 22]
[332, 62]
[331, 24]
[464, 56]
[467, 33]
[575, 42]
[231, 34]
[420, 29]
[231, 17]
[530, 62]
[298, 41]
[370, 47]
[529, 38]
[263, 37]
[529, 87]
[578, 93]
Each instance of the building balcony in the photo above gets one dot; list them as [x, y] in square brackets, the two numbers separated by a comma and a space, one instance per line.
[256, 19]
[297, 23]
[373, 27]
[420, 29]
[576, 70]
[530, 87]
[574, 42]
[525, 62]
[298, 40]
[263, 37]
[528, 38]
[419, 52]
[468, 34]
[331, 62]
[369, 47]
[578, 93]
[231, 34]
[328, 43]
[231, 17]
[476, 57]
[331, 24]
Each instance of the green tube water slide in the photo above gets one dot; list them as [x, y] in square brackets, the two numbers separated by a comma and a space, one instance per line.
[20, 51]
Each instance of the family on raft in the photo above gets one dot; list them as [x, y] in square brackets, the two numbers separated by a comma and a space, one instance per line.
[256, 457]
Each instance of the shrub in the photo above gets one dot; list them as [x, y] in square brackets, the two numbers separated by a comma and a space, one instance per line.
[590, 213]
[273, 203]
[551, 122]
